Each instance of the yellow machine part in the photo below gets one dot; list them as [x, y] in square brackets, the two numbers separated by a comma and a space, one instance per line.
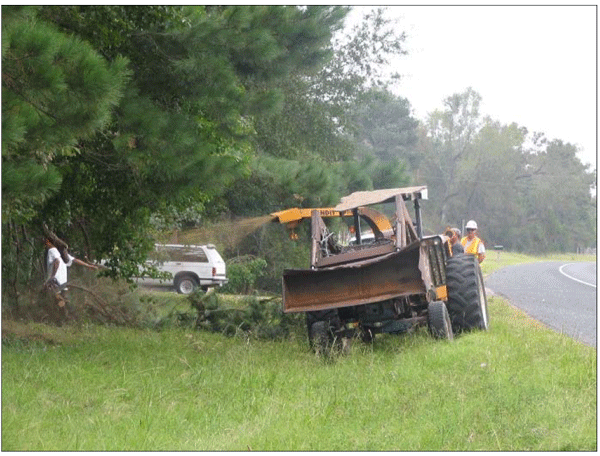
[292, 217]
[441, 293]
[296, 214]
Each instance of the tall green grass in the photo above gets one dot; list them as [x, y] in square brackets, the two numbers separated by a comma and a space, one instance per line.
[517, 387]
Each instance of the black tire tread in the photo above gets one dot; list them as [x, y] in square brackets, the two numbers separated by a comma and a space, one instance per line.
[463, 275]
[438, 321]
[319, 334]
[328, 319]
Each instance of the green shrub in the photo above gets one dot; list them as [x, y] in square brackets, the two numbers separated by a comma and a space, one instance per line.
[243, 273]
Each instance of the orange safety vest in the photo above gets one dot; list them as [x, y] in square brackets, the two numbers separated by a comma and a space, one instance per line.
[473, 248]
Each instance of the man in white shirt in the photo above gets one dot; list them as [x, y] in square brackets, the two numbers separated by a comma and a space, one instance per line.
[57, 270]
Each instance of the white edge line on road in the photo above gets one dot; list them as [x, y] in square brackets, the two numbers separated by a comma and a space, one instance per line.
[573, 278]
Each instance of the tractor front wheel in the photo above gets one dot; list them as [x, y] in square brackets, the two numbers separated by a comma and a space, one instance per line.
[321, 326]
[439, 323]
[320, 337]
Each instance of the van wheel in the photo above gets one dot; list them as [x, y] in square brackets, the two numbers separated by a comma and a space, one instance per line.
[185, 284]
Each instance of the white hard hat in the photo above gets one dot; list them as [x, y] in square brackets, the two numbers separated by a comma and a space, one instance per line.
[471, 224]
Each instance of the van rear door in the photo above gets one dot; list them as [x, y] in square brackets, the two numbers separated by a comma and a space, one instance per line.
[218, 272]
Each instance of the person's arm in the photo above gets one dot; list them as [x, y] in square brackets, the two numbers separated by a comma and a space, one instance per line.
[83, 263]
[481, 253]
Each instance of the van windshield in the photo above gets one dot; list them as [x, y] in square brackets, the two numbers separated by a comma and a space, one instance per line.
[186, 254]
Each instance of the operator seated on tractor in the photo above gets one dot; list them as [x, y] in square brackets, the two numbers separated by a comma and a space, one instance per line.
[472, 244]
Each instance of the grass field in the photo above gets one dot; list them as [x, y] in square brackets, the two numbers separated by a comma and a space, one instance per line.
[517, 387]
[496, 260]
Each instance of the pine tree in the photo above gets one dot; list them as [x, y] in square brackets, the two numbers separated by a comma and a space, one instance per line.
[116, 116]
[56, 90]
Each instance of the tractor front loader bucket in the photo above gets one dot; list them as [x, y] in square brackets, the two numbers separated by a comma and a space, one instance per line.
[396, 274]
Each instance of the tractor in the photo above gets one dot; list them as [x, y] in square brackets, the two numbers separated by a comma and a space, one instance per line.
[389, 278]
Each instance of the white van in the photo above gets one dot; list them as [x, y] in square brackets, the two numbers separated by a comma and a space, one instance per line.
[190, 266]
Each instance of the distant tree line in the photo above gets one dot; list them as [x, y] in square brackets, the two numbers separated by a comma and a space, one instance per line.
[528, 193]
[119, 122]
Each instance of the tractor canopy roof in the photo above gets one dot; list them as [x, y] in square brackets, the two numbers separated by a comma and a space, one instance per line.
[358, 199]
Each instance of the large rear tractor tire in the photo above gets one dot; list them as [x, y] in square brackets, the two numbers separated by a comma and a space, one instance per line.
[467, 303]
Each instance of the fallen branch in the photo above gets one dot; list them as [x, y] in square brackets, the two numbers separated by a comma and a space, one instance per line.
[58, 242]
[112, 313]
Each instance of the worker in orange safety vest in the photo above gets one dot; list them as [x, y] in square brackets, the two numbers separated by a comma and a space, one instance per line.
[472, 244]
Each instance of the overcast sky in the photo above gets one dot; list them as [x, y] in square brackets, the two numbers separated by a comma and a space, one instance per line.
[533, 65]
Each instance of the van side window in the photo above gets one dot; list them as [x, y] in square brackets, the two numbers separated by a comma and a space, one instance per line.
[164, 254]
[188, 254]
[160, 255]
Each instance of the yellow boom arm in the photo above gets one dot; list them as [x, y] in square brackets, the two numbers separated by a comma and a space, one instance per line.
[292, 217]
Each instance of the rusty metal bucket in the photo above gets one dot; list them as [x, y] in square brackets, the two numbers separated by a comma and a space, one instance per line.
[393, 275]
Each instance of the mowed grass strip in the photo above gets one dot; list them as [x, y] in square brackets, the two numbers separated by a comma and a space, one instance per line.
[498, 259]
[517, 387]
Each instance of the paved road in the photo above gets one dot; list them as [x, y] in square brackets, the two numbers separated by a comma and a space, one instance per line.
[560, 295]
